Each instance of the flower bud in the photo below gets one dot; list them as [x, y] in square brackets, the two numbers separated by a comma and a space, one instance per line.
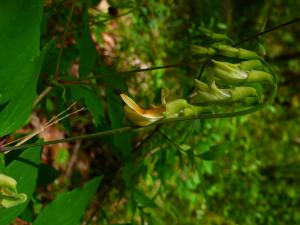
[241, 53]
[7, 182]
[215, 37]
[174, 108]
[239, 93]
[203, 51]
[247, 54]
[8, 192]
[14, 200]
[251, 65]
[226, 50]
[260, 76]
[211, 93]
[228, 72]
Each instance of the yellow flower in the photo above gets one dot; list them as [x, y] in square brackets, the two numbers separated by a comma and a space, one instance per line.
[140, 116]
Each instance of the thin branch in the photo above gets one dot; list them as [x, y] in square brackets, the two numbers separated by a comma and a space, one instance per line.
[126, 129]
[161, 67]
[113, 18]
[266, 31]
[77, 81]
[42, 95]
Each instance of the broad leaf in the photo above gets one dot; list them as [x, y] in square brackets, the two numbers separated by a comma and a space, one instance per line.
[91, 99]
[121, 142]
[20, 44]
[68, 208]
[19, 108]
[24, 170]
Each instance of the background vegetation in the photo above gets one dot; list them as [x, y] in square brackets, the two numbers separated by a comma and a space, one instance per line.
[92, 51]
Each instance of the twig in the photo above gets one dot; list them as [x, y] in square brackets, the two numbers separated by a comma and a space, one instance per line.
[266, 31]
[113, 18]
[77, 81]
[126, 129]
[42, 95]
[54, 120]
[72, 160]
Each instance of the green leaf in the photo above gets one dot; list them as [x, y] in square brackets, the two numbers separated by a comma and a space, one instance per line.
[16, 112]
[88, 50]
[24, 170]
[68, 208]
[110, 76]
[115, 109]
[20, 44]
[214, 152]
[91, 99]
[121, 142]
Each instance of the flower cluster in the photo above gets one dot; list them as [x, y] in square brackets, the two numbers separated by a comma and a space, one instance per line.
[232, 75]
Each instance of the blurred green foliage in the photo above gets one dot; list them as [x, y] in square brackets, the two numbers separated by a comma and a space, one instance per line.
[242, 170]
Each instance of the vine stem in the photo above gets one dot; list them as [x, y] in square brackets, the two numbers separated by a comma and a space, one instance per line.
[128, 128]
[266, 31]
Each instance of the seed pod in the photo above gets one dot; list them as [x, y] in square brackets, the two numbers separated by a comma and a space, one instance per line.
[228, 72]
[260, 76]
[203, 51]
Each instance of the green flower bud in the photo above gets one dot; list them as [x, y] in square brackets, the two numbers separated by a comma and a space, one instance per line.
[260, 76]
[228, 72]
[14, 200]
[208, 34]
[251, 65]
[241, 53]
[174, 108]
[8, 192]
[226, 50]
[211, 93]
[7, 183]
[247, 54]
[239, 93]
[203, 51]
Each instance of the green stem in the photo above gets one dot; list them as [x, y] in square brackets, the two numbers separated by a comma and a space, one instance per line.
[126, 129]
[77, 81]
[112, 18]
[266, 31]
